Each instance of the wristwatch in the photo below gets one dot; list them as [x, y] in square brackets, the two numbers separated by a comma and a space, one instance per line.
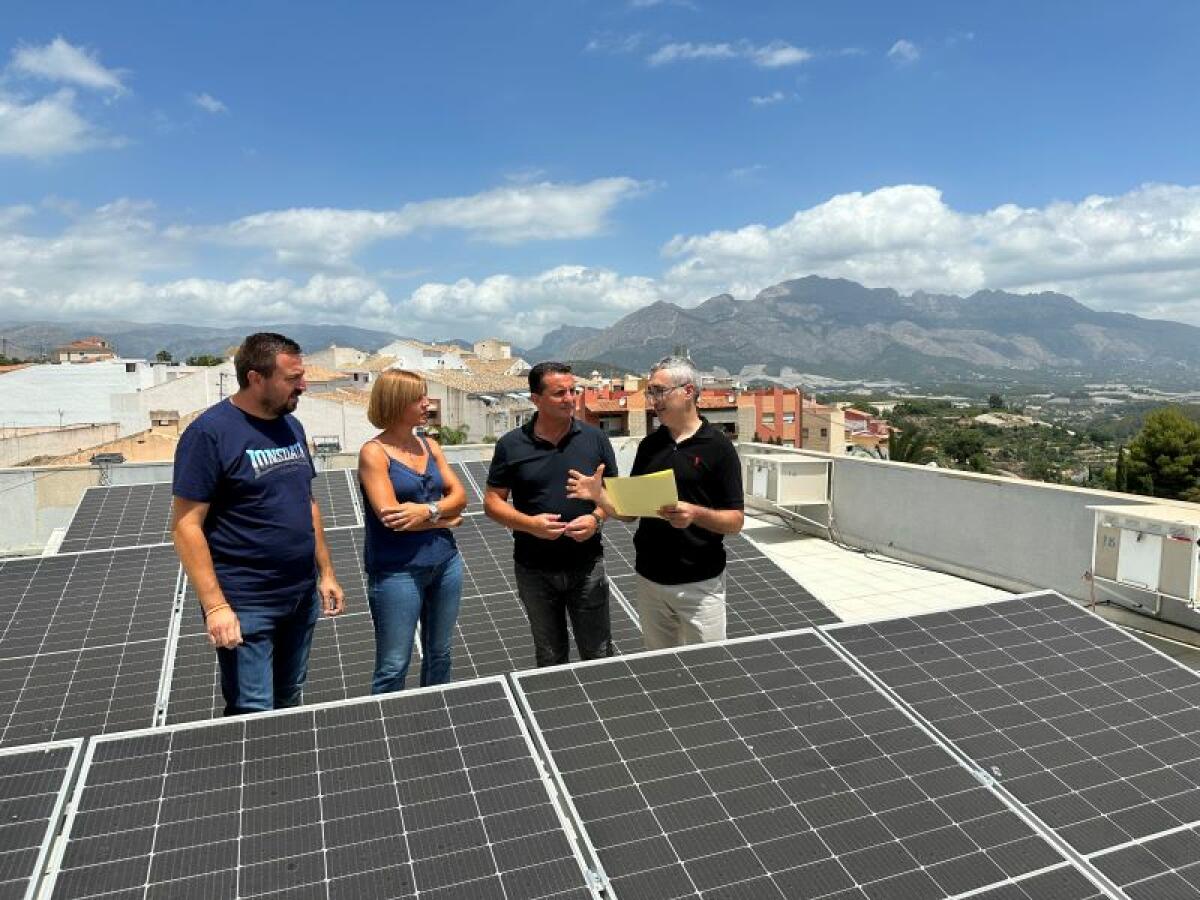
[599, 521]
[434, 512]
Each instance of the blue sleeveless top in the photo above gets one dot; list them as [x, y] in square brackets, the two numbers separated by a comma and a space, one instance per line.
[389, 551]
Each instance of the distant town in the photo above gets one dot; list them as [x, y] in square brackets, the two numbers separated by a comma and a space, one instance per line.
[83, 401]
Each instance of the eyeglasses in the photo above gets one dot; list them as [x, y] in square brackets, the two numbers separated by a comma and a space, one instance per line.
[657, 392]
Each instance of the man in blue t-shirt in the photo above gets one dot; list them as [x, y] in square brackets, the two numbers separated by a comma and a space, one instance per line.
[248, 531]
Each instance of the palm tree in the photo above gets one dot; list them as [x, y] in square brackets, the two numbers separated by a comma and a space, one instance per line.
[909, 445]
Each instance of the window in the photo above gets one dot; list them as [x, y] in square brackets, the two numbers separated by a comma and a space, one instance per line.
[768, 418]
[789, 418]
[804, 433]
[825, 432]
[789, 443]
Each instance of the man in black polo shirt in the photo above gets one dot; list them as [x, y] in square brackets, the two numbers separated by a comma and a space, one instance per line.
[557, 553]
[681, 556]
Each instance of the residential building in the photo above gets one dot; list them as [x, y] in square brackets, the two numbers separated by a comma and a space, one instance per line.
[488, 405]
[85, 350]
[493, 348]
[417, 356]
[335, 358]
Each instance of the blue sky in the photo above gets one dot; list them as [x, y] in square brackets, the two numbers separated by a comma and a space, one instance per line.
[461, 169]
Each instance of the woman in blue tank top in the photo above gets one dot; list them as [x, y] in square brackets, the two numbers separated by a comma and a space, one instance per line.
[412, 561]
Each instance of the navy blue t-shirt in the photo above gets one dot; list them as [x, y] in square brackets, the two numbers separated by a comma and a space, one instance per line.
[256, 475]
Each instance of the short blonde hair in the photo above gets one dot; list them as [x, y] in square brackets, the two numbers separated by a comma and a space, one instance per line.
[393, 390]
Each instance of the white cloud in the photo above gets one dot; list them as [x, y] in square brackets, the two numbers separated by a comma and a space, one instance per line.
[63, 62]
[747, 171]
[611, 42]
[669, 53]
[47, 127]
[904, 52]
[525, 308]
[507, 215]
[1137, 252]
[209, 103]
[778, 54]
[769, 99]
[774, 55]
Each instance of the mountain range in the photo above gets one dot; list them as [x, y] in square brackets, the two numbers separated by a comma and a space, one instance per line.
[841, 329]
[140, 341]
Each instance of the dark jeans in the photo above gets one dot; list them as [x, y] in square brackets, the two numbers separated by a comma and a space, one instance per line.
[399, 600]
[549, 597]
[267, 670]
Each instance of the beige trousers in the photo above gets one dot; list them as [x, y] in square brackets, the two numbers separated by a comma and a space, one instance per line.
[676, 614]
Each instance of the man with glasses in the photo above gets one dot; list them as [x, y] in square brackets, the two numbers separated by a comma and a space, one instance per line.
[557, 552]
[681, 556]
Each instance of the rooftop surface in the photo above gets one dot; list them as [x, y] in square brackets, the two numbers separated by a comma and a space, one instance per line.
[945, 739]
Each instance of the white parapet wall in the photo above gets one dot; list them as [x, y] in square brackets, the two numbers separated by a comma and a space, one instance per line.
[1010, 533]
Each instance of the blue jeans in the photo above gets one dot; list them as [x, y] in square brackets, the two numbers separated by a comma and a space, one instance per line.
[267, 670]
[399, 600]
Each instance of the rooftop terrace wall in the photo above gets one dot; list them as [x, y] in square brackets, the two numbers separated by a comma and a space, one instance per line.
[1009, 533]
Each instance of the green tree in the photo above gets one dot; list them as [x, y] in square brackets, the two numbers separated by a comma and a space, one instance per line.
[1121, 472]
[162, 356]
[1164, 458]
[910, 445]
[204, 359]
[962, 444]
[995, 401]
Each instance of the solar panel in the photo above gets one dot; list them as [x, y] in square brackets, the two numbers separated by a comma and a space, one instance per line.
[761, 598]
[1163, 868]
[473, 488]
[132, 515]
[1063, 883]
[478, 470]
[1098, 734]
[33, 791]
[769, 768]
[335, 492]
[435, 793]
[82, 641]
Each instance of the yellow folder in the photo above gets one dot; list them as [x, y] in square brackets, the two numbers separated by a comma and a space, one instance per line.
[642, 495]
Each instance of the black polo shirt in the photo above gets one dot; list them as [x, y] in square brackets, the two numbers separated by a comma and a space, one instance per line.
[535, 473]
[707, 473]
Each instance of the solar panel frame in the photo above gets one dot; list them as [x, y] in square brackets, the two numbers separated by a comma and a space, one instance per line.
[616, 693]
[498, 771]
[1034, 780]
[18, 815]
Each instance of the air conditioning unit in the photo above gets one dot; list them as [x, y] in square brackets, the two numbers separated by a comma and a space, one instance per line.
[1152, 548]
[783, 479]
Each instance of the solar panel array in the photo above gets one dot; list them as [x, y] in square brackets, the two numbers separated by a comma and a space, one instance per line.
[138, 515]
[1095, 732]
[1015, 751]
[436, 793]
[82, 642]
[33, 787]
[770, 768]
[121, 516]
